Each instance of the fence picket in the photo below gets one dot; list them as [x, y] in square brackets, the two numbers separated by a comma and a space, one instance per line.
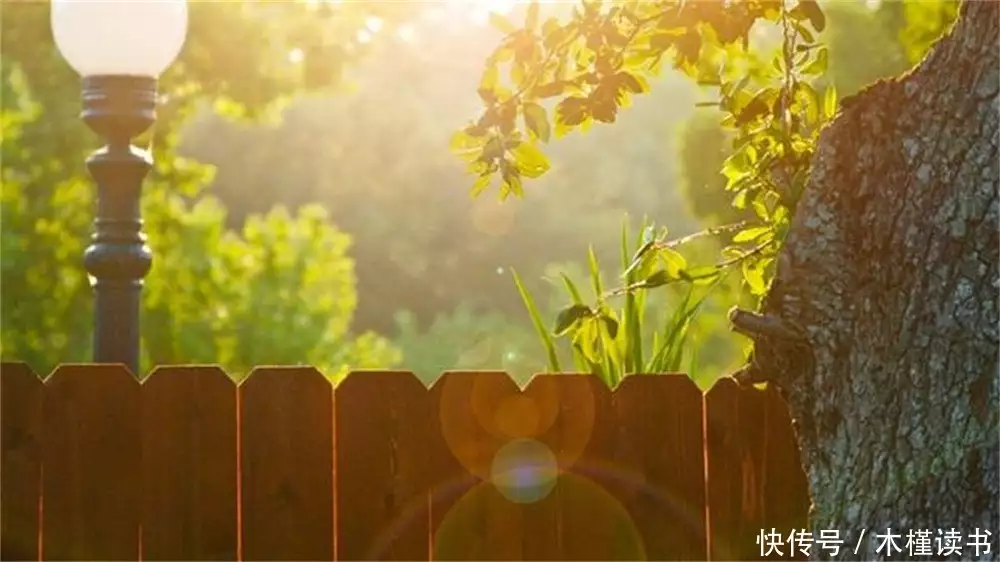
[91, 478]
[383, 430]
[286, 457]
[756, 480]
[660, 442]
[473, 521]
[20, 461]
[189, 465]
[578, 519]
[785, 501]
[734, 418]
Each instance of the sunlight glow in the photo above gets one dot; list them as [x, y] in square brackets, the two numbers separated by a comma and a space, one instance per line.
[295, 56]
[407, 33]
[374, 24]
[480, 9]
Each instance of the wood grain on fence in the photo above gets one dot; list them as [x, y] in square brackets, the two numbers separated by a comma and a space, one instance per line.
[384, 421]
[21, 397]
[286, 434]
[756, 482]
[91, 464]
[188, 465]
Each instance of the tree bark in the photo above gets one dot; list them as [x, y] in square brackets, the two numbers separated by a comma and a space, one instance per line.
[891, 268]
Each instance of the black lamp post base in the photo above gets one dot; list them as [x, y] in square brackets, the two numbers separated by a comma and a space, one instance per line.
[118, 108]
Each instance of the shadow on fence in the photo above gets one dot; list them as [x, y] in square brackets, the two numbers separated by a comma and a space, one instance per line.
[189, 466]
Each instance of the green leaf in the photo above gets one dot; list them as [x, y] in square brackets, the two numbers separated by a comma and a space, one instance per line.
[482, 182]
[648, 234]
[754, 276]
[760, 208]
[688, 47]
[571, 288]
[623, 241]
[502, 23]
[830, 101]
[634, 84]
[813, 108]
[537, 121]
[657, 279]
[466, 146]
[531, 19]
[756, 108]
[803, 30]
[751, 234]
[549, 89]
[530, 160]
[611, 325]
[819, 65]
[569, 316]
[701, 274]
[673, 261]
[612, 362]
[735, 166]
[518, 74]
[536, 320]
[815, 14]
[595, 272]
[489, 80]
[740, 200]
[573, 111]
[639, 258]
[586, 339]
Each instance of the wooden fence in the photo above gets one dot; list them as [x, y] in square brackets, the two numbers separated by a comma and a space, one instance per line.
[189, 466]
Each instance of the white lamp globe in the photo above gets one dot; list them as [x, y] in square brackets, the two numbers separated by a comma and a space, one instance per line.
[119, 37]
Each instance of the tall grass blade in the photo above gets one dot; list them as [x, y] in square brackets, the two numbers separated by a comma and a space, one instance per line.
[630, 330]
[536, 319]
[595, 273]
[571, 288]
[670, 352]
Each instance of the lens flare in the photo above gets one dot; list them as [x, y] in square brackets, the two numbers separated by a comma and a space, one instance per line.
[481, 412]
[581, 521]
[524, 471]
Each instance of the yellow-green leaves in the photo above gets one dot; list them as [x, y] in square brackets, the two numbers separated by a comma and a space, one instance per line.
[488, 83]
[830, 102]
[811, 10]
[751, 234]
[530, 161]
[753, 274]
[594, 62]
[501, 23]
[819, 64]
[536, 120]
[673, 262]
[568, 317]
[531, 18]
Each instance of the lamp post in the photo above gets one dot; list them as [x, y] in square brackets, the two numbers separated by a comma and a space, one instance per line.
[119, 48]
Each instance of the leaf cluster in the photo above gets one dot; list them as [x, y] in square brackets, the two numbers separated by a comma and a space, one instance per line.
[591, 65]
[616, 336]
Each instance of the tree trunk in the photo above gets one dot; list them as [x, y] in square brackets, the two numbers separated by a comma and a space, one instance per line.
[891, 269]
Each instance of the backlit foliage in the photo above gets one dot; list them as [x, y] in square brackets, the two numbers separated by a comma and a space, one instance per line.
[587, 68]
